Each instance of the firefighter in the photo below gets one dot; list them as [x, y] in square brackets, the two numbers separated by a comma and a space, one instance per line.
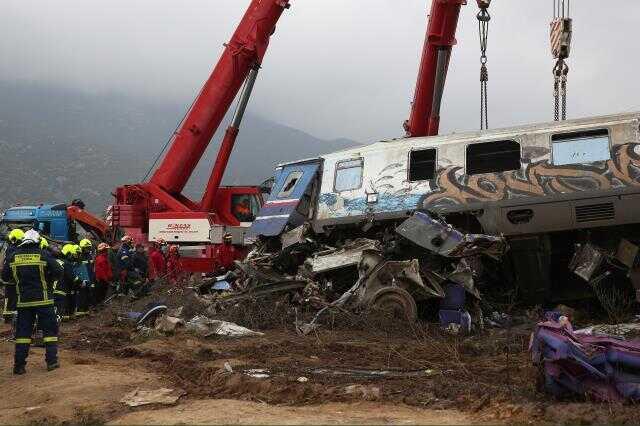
[157, 263]
[9, 311]
[87, 286]
[44, 245]
[126, 267]
[227, 254]
[34, 272]
[69, 283]
[102, 272]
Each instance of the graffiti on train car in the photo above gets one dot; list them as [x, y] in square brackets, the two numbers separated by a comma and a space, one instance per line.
[452, 187]
[536, 179]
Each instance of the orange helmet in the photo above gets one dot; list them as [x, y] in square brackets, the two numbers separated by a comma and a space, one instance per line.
[173, 248]
[127, 239]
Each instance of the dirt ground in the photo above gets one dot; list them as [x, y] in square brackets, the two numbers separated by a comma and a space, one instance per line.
[328, 377]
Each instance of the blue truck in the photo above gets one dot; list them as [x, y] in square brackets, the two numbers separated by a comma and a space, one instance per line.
[57, 222]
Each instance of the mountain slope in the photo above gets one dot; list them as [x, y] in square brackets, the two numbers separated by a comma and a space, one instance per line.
[59, 144]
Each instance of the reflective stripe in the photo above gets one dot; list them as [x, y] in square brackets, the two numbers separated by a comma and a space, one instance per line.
[34, 304]
[49, 339]
[23, 341]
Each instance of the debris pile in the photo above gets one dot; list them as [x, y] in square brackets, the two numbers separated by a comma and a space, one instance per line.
[571, 363]
[422, 259]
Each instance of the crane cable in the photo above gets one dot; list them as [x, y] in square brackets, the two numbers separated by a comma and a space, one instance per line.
[561, 32]
[483, 30]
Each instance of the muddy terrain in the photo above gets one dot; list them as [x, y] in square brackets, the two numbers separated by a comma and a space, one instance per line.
[353, 369]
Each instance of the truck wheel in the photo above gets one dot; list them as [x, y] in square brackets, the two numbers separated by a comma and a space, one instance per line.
[397, 302]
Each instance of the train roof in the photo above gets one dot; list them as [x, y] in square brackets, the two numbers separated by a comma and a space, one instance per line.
[478, 136]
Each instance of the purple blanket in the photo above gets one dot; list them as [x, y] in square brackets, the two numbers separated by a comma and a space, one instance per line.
[599, 367]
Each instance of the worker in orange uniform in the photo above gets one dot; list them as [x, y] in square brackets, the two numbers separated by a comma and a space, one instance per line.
[242, 211]
[103, 272]
[174, 268]
[227, 254]
[157, 262]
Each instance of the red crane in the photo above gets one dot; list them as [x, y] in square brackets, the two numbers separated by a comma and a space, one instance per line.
[439, 41]
[158, 209]
[160, 199]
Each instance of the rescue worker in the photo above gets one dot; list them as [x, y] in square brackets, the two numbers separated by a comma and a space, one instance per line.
[82, 282]
[157, 263]
[9, 311]
[227, 254]
[86, 289]
[174, 267]
[103, 273]
[44, 245]
[141, 262]
[69, 282]
[126, 267]
[34, 273]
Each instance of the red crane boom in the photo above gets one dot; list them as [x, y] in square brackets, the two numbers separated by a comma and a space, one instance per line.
[239, 63]
[244, 52]
[440, 38]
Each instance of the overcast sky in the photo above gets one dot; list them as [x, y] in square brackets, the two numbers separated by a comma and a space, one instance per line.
[335, 68]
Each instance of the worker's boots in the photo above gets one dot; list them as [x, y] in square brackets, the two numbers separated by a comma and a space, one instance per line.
[19, 370]
[53, 366]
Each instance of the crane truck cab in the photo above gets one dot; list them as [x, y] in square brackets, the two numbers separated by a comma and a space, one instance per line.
[199, 233]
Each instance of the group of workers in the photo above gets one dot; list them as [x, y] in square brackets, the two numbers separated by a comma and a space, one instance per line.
[45, 285]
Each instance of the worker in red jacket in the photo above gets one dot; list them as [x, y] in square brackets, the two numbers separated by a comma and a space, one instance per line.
[157, 263]
[174, 267]
[103, 272]
[227, 254]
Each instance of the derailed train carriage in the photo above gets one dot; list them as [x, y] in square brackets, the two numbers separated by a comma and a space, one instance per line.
[545, 187]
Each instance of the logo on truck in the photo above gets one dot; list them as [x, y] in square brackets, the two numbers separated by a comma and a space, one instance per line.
[179, 226]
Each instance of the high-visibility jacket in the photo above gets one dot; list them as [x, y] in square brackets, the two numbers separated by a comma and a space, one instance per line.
[34, 273]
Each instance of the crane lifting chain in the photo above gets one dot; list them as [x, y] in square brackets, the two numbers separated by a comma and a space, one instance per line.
[483, 30]
[561, 32]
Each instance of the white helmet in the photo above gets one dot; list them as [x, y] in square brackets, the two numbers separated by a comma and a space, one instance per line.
[31, 237]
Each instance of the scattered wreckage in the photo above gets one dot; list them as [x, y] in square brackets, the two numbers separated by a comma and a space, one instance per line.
[424, 259]
[583, 363]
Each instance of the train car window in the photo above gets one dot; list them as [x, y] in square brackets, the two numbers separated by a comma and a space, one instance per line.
[422, 164]
[493, 157]
[289, 184]
[348, 175]
[582, 147]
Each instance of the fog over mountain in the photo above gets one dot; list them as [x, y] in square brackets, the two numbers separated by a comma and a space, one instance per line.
[57, 144]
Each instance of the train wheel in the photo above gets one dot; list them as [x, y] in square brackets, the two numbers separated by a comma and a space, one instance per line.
[397, 302]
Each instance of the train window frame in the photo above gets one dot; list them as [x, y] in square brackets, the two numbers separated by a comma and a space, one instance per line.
[435, 163]
[556, 139]
[294, 174]
[499, 170]
[340, 165]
